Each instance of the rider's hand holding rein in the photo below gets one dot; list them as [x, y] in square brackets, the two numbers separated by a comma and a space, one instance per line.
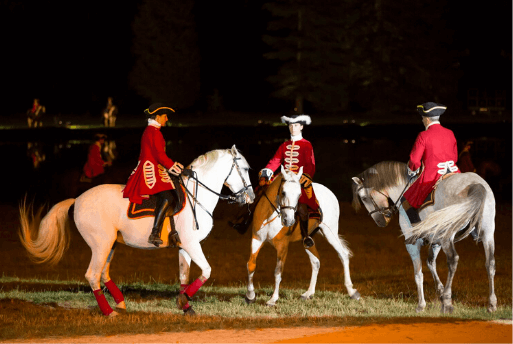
[176, 169]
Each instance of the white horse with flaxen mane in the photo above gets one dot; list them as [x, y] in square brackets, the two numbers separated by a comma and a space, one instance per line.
[100, 215]
[464, 205]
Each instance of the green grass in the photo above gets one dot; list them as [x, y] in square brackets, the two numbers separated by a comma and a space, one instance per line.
[29, 313]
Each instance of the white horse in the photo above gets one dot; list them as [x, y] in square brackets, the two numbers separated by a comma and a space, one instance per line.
[280, 201]
[100, 214]
[464, 204]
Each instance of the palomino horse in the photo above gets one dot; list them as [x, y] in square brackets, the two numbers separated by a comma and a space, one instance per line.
[100, 215]
[280, 201]
[464, 204]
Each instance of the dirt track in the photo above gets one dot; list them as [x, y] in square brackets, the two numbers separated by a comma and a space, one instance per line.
[414, 332]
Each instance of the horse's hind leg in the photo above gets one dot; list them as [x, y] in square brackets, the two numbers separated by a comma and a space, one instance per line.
[111, 286]
[431, 264]
[343, 254]
[313, 254]
[100, 252]
[489, 247]
[256, 245]
[414, 251]
[452, 264]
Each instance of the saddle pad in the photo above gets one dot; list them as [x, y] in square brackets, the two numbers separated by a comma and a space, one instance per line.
[148, 205]
[430, 199]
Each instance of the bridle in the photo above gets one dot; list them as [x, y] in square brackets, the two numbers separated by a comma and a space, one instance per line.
[233, 198]
[237, 195]
[387, 212]
[278, 206]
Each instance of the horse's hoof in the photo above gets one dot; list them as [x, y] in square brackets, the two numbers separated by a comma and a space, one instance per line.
[356, 296]
[121, 307]
[120, 310]
[491, 308]
[270, 304]
[306, 297]
[249, 301]
[420, 309]
[447, 309]
[113, 314]
[181, 301]
[189, 312]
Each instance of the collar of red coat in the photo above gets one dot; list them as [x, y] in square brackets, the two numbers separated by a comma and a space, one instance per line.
[432, 123]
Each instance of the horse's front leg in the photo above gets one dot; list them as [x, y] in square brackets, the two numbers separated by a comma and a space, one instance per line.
[184, 263]
[431, 264]
[256, 245]
[452, 264]
[193, 249]
[313, 254]
[414, 251]
[282, 248]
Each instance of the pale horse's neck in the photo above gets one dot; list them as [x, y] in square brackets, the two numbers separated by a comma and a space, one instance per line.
[214, 179]
[395, 192]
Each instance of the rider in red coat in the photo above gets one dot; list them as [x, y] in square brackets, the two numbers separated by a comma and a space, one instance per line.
[293, 154]
[150, 176]
[435, 150]
[95, 164]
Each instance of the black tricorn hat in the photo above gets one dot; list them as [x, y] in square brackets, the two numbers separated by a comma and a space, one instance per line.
[431, 109]
[296, 118]
[158, 109]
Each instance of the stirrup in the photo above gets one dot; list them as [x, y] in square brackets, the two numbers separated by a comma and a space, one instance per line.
[308, 242]
[155, 239]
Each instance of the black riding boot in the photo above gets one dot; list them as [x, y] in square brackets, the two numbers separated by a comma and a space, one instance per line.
[165, 200]
[307, 240]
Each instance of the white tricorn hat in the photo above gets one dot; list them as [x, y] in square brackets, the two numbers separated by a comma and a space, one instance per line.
[296, 118]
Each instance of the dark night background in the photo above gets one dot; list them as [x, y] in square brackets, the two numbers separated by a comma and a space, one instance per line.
[73, 55]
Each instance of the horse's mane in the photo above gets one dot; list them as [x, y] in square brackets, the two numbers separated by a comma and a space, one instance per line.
[206, 161]
[381, 176]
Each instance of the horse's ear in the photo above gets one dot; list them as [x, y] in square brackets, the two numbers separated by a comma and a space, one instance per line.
[282, 170]
[357, 181]
[300, 172]
[234, 150]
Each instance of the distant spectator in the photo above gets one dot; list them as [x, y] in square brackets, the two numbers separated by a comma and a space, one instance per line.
[109, 114]
[464, 160]
[95, 163]
[34, 115]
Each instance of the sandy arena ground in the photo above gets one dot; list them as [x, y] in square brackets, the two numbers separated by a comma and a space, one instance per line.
[415, 332]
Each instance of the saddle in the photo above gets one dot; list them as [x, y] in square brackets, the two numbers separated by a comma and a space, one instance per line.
[148, 205]
[430, 199]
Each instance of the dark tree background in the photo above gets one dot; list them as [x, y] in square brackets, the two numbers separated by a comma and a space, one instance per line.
[252, 56]
[167, 54]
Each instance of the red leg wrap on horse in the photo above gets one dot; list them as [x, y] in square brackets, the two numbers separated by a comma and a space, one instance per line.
[194, 287]
[182, 291]
[114, 291]
[102, 302]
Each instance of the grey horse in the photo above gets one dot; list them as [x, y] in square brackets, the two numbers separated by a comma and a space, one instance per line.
[464, 205]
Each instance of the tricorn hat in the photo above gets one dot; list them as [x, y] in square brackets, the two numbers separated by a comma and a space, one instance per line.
[158, 109]
[431, 109]
[296, 118]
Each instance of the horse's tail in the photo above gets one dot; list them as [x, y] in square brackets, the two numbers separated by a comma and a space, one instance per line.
[51, 233]
[345, 246]
[445, 223]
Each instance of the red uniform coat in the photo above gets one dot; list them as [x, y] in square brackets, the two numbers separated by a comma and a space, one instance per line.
[292, 155]
[150, 175]
[437, 150]
[94, 165]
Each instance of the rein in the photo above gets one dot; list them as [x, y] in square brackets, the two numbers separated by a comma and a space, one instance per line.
[392, 206]
[277, 209]
[231, 198]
